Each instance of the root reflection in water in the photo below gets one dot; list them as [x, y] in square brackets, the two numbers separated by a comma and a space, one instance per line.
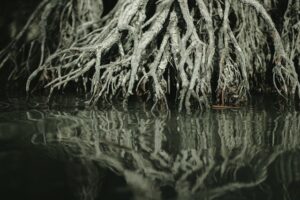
[210, 155]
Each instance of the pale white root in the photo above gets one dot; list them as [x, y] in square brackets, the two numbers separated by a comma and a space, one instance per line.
[128, 52]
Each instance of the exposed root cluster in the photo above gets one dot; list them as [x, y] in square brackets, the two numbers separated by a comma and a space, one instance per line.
[151, 47]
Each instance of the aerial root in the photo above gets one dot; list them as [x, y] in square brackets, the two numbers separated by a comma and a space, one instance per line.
[126, 52]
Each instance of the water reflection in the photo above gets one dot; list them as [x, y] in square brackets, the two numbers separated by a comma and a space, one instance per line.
[218, 154]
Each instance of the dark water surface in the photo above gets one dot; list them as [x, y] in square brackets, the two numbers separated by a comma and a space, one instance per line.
[70, 152]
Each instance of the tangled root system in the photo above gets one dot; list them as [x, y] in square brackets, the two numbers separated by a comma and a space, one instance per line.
[198, 49]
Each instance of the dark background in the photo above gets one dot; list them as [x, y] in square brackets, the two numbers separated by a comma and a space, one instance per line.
[13, 16]
[16, 12]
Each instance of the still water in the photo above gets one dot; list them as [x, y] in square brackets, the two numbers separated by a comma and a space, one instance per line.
[70, 152]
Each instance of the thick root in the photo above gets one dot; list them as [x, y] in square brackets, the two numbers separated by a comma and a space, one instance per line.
[132, 50]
